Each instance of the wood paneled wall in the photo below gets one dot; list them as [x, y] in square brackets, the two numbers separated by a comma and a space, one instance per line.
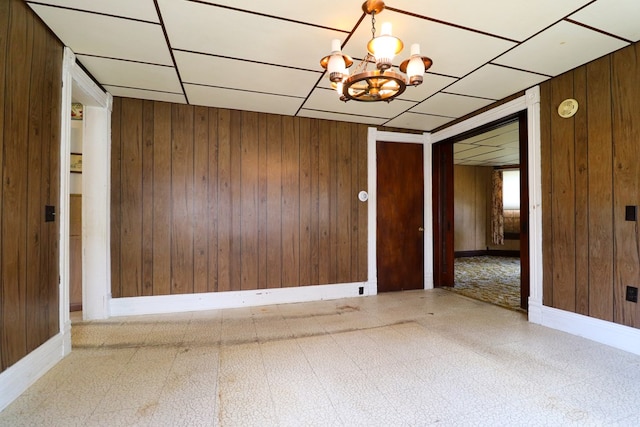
[590, 172]
[471, 185]
[211, 200]
[30, 99]
[472, 211]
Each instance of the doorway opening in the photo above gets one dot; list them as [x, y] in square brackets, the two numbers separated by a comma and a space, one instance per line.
[75, 208]
[480, 187]
[93, 208]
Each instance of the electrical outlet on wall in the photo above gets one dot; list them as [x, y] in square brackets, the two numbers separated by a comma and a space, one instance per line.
[632, 294]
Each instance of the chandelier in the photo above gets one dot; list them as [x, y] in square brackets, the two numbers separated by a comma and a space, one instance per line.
[382, 83]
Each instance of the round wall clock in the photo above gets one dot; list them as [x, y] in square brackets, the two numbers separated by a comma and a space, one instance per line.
[568, 108]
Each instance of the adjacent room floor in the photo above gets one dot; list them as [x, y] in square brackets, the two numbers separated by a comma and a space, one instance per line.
[493, 279]
[402, 359]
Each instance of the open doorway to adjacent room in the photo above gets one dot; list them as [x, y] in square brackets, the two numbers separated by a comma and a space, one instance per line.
[75, 208]
[484, 251]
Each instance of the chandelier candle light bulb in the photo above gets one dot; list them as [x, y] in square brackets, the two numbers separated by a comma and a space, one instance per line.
[385, 47]
[383, 83]
[336, 65]
[415, 68]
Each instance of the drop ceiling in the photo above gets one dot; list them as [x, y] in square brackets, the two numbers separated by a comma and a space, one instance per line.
[264, 56]
[497, 147]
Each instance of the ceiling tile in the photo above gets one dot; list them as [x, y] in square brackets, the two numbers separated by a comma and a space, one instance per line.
[458, 147]
[327, 100]
[144, 10]
[494, 155]
[561, 48]
[500, 136]
[495, 82]
[432, 84]
[219, 31]
[234, 74]
[449, 105]
[132, 74]
[240, 100]
[338, 14]
[513, 19]
[417, 121]
[124, 92]
[619, 17]
[454, 51]
[473, 153]
[340, 117]
[101, 35]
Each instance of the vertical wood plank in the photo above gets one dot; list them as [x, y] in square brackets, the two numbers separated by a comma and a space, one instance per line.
[116, 199]
[14, 188]
[36, 295]
[182, 199]
[147, 197]
[600, 158]
[213, 205]
[4, 33]
[305, 202]
[315, 199]
[353, 197]
[546, 162]
[224, 199]
[626, 180]
[482, 183]
[563, 198]
[4, 30]
[200, 200]
[235, 261]
[274, 202]
[162, 199]
[363, 207]
[54, 71]
[50, 187]
[131, 250]
[343, 203]
[290, 203]
[263, 179]
[324, 202]
[249, 191]
[333, 204]
[464, 200]
[581, 193]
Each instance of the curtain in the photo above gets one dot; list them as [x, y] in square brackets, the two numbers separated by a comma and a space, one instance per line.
[497, 213]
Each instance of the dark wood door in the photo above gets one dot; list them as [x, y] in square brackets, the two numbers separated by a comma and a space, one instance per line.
[400, 213]
[443, 215]
[524, 212]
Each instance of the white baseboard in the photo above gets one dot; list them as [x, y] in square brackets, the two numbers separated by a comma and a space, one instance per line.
[232, 299]
[612, 334]
[16, 379]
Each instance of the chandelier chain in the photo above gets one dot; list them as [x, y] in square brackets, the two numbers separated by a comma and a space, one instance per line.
[373, 25]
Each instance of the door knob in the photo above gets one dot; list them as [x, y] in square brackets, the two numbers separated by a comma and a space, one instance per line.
[420, 228]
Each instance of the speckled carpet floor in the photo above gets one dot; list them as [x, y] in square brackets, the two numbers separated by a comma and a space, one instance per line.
[489, 278]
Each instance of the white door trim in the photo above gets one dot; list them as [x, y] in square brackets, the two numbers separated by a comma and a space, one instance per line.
[373, 137]
[530, 102]
[96, 159]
